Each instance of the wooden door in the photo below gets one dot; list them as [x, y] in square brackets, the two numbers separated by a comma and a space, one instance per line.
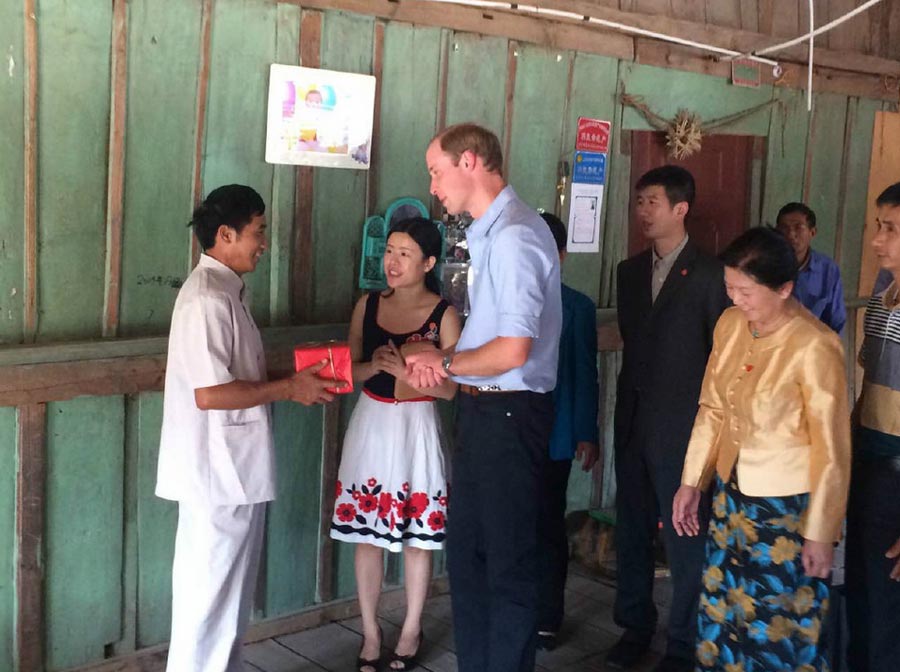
[722, 171]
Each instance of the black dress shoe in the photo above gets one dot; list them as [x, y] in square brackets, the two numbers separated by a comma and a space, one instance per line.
[626, 653]
[546, 640]
[674, 664]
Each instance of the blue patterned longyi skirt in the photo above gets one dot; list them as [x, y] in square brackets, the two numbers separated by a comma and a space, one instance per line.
[758, 611]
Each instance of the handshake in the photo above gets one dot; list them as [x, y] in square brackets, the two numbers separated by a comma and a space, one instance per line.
[416, 366]
[425, 368]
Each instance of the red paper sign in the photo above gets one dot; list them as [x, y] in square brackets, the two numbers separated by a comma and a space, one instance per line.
[593, 135]
[339, 366]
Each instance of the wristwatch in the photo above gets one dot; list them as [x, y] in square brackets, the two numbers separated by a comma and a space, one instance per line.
[446, 363]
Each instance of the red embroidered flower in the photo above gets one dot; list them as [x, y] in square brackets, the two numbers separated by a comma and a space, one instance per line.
[372, 482]
[442, 501]
[416, 504]
[400, 508]
[385, 503]
[368, 503]
[405, 487]
[356, 494]
[337, 490]
[436, 520]
[346, 512]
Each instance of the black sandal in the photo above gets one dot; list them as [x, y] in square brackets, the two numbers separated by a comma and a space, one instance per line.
[362, 663]
[375, 663]
[409, 662]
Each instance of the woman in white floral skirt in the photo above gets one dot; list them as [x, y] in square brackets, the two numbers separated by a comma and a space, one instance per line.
[392, 488]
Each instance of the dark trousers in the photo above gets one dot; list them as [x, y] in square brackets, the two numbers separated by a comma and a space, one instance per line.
[502, 443]
[873, 599]
[553, 546]
[644, 494]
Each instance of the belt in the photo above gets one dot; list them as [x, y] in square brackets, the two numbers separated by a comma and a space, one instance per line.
[474, 391]
[392, 400]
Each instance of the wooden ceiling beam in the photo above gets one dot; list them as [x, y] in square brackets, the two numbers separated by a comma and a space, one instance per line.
[848, 73]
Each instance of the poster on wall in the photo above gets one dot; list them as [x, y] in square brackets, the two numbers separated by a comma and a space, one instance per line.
[593, 135]
[586, 202]
[319, 117]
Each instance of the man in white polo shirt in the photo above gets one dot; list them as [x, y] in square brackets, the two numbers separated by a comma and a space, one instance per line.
[216, 451]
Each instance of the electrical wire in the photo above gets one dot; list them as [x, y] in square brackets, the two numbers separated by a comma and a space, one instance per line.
[818, 31]
[533, 9]
[812, 37]
[756, 55]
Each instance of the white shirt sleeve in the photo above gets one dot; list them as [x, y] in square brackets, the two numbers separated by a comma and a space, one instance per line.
[205, 338]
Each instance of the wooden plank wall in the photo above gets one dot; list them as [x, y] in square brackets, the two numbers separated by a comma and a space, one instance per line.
[213, 57]
[194, 118]
[83, 530]
[164, 48]
[73, 133]
[7, 537]
[865, 33]
[339, 198]
[12, 174]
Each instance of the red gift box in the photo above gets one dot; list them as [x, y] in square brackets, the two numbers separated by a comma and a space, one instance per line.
[339, 366]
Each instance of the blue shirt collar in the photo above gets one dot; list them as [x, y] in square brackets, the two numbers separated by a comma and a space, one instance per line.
[480, 227]
[815, 262]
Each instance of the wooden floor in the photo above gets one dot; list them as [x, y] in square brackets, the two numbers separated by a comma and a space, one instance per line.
[587, 635]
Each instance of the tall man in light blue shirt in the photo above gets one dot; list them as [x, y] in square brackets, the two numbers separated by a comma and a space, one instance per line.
[506, 363]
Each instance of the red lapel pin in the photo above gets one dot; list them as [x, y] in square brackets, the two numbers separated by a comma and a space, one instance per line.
[684, 271]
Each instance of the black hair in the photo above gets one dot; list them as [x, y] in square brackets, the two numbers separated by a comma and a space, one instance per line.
[889, 197]
[233, 205]
[764, 254]
[677, 181]
[802, 208]
[558, 229]
[428, 237]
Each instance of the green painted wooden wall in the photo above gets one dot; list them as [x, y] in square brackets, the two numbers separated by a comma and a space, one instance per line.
[109, 541]
[411, 72]
[12, 175]
[7, 535]
[551, 89]
[83, 538]
[163, 55]
[73, 124]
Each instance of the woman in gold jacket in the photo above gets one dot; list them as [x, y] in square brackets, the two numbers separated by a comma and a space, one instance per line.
[773, 430]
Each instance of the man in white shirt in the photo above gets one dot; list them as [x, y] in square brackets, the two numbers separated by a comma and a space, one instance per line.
[216, 450]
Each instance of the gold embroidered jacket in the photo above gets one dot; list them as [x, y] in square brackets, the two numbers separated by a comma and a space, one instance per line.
[775, 409]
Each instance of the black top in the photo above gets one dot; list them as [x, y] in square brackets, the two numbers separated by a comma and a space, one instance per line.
[382, 384]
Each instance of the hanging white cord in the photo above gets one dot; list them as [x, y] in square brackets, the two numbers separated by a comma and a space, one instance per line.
[812, 37]
[818, 31]
[532, 9]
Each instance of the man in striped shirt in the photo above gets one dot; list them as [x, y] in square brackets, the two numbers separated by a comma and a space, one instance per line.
[873, 515]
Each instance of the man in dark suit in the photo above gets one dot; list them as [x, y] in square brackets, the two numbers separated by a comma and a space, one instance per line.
[669, 299]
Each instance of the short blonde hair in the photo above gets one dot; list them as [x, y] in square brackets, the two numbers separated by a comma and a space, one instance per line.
[459, 138]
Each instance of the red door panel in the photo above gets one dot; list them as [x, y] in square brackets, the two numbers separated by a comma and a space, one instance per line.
[721, 170]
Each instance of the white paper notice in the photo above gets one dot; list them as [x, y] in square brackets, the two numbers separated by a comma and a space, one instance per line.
[584, 218]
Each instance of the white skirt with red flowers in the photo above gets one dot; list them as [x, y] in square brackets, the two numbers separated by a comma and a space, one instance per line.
[392, 484]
